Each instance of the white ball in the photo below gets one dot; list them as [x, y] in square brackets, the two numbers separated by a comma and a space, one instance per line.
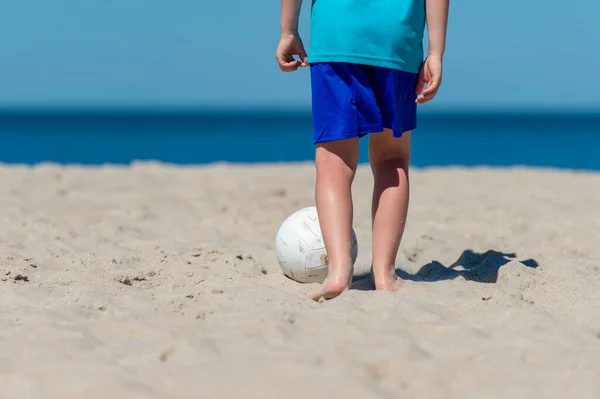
[300, 249]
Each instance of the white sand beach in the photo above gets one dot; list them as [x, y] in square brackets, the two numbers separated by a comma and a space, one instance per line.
[155, 281]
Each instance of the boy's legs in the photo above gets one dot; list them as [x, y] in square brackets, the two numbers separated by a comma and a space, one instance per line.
[389, 158]
[336, 163]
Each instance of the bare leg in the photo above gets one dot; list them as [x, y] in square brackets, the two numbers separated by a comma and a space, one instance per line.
[336, 163]
[389, 159]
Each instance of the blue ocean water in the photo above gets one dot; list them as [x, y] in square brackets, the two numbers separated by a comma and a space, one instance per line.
[443, 138]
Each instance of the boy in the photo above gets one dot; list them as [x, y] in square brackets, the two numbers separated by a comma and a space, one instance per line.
[367, 77]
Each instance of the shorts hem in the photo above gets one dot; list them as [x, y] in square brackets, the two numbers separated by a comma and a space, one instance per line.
[349, 134]
[403, 130]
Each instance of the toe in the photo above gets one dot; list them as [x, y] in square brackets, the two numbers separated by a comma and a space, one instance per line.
[327, 291]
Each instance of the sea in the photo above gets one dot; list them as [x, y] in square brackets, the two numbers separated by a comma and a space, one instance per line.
[183, 137]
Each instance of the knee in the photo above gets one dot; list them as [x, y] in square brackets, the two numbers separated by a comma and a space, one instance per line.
[387, 151]
[390, 158]
[333, 156]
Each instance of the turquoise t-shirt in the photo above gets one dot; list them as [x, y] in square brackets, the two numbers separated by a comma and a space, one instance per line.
[387, 33]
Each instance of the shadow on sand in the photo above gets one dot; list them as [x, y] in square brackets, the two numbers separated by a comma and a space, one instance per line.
[472, 266]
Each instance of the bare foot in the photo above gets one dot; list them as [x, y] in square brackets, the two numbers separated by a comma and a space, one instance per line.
[333, 286]
[386, 281]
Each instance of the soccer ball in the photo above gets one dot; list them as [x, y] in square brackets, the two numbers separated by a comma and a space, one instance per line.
[300, 249]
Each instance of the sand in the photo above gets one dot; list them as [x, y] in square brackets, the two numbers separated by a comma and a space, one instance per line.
[155, 281]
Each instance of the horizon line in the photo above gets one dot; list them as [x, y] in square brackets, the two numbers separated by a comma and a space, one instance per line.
[262, 111]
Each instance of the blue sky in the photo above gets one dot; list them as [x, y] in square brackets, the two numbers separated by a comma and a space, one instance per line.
[135, 53]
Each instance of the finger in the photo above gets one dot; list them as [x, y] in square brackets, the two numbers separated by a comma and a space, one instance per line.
[420, 85]
[432, 86]
[289, 66]
[423, 98]
[303, 56]
[287, 63]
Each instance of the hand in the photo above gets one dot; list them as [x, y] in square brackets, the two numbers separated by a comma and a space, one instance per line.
[430, 75]
[290, 45]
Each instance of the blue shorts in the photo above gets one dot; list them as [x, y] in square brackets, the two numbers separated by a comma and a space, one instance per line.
[351, 100]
